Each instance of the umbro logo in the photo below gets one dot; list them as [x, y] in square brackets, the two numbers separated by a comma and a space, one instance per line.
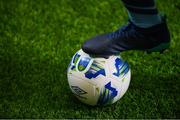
[78, 90]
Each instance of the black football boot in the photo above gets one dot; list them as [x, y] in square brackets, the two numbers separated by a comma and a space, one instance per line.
[129, 37]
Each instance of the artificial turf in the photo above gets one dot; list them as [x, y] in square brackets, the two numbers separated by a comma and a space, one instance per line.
[38, 39]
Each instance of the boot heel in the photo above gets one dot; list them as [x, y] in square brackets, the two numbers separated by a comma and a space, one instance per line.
[160, 48]
[162, 51]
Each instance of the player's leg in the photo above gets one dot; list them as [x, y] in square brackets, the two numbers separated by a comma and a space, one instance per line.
[146, 30]
[143, 13]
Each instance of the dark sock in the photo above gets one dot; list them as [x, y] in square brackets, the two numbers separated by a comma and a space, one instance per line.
[143, 13]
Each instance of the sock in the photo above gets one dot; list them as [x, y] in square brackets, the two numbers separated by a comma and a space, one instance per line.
[143, 13]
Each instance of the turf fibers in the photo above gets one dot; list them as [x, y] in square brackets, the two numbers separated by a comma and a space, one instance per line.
[38, 39]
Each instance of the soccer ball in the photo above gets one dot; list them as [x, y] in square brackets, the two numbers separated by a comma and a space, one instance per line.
[98, 81]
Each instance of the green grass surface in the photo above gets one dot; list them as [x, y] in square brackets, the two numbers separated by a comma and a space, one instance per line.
[38, 39]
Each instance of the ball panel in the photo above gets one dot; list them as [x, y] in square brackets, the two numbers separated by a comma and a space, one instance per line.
[109, 93]
[84, 91]
[118, 67]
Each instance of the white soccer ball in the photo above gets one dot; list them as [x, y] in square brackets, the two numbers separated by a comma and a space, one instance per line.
[98, 81]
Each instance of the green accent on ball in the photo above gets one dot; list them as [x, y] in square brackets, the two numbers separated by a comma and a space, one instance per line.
[107, 92]
[81, 68]
[76, 59]
[95, 68]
